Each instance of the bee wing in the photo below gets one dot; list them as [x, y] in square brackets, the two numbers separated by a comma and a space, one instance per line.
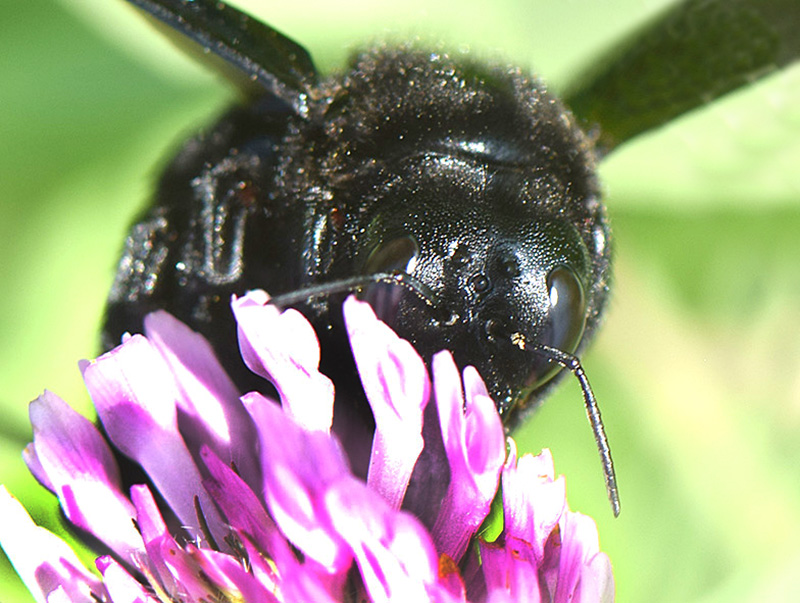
[691, 54]
[253, 54]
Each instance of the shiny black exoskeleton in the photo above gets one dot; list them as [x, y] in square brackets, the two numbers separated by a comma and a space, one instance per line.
[471, 180]
[458, 198]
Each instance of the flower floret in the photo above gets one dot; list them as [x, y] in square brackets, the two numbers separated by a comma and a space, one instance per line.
[251, 499]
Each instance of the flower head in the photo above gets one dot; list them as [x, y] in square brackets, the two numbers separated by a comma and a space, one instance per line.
[252, 499]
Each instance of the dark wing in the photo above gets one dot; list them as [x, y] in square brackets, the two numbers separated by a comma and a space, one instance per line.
[691, 54]
[259, 54]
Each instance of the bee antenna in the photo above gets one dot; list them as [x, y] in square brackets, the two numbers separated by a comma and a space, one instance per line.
[571, 363]
[345, 285]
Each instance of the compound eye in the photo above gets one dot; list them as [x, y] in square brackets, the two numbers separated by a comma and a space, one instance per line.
[395, 255]
[399, 254]
[566, 317]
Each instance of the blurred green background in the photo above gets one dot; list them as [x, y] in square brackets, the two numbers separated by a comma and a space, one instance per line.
[697, 369]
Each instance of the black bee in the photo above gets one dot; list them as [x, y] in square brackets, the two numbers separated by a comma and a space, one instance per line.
[459, 198]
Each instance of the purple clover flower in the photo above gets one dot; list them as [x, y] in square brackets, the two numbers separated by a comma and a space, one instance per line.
[254, 499]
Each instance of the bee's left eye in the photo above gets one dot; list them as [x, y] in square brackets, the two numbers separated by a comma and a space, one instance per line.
[396, 254]
[399, 254]
[566, 317]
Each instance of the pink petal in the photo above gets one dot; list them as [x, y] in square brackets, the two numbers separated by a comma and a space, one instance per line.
[226, 574]
[282, 347]
[396, 384]
[293, 579]
[298, 467]
[510, 566]
[212, 413]
[474, 442]
[176, 570]
[501, 595]
[304, 587]
[543, 544]
[393, 551]
[242, 508]
[135, 396]
[59, 595]
[473, 384]
[35, 467]
[303, 581]
[153, 530]
[121, 586]
[597, 581]
[533, 502]
[81, 470]
[579, 548]
[47, 566]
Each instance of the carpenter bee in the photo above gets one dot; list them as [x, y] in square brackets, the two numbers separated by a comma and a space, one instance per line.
[458, 197]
